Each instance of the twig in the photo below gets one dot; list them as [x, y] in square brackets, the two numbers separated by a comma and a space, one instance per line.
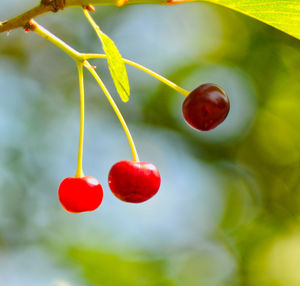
[46, 6]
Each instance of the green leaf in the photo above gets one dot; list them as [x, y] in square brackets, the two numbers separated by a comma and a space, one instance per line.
[116, 66]
[114, 59]
[281, 14]
[118, 270]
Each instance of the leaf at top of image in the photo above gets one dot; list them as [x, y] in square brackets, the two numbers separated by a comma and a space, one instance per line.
[281, 14]
[284, 15]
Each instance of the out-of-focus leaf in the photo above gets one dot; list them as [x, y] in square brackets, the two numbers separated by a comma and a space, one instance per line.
[110, 269]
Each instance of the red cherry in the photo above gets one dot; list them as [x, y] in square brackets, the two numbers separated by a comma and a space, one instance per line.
[205, 107]
[134, 182]
[80, 194]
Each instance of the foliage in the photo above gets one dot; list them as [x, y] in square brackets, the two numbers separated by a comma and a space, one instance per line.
[101, 268]
[281, 14]
[115, 62]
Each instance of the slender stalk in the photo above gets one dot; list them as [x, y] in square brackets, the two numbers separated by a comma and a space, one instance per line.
[159, 77]
[91, 21]
[144, 69]
[56, 41]
[116, 109]
[79, 58]
[79, 172]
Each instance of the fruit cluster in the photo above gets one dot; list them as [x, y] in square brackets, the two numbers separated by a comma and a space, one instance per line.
[130, 181]
[133, 181]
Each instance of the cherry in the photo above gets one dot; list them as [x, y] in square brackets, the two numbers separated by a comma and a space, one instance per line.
[80, 194]
[205, 107]
[134, 182]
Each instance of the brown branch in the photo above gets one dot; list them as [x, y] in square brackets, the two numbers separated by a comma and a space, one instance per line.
[22, 20]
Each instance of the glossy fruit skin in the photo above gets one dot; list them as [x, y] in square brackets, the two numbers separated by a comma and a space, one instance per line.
[80, 194]
[134, 182]
[206, 107]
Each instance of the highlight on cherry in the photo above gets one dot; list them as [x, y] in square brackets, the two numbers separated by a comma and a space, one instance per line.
[131, 181]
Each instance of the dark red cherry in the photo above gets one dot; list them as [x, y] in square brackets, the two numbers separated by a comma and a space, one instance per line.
[205, 107]
[80, 194]
[134, 182]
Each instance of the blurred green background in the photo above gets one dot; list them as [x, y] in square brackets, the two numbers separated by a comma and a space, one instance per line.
[228, 211]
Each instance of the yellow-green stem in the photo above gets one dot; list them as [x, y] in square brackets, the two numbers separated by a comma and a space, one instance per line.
[79, 171]
[152, 73]
[80, 60]
[78, 57]
[56, 41]
[116, 109]
[91, 20]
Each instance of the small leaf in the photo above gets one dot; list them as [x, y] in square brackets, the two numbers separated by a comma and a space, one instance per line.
[116, 66]
[114, 59]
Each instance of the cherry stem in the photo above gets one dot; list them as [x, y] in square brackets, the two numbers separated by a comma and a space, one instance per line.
[79, 172]
[106, 92]
[80, 60]
[116, 109]
[38, 29]
[80, 57]
[154, 74]
[169, 83]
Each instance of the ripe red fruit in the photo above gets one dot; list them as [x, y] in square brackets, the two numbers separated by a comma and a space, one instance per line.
[205, 107]
[80, 194]
[134, 182]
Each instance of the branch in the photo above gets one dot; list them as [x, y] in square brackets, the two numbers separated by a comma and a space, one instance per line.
[21, 21]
